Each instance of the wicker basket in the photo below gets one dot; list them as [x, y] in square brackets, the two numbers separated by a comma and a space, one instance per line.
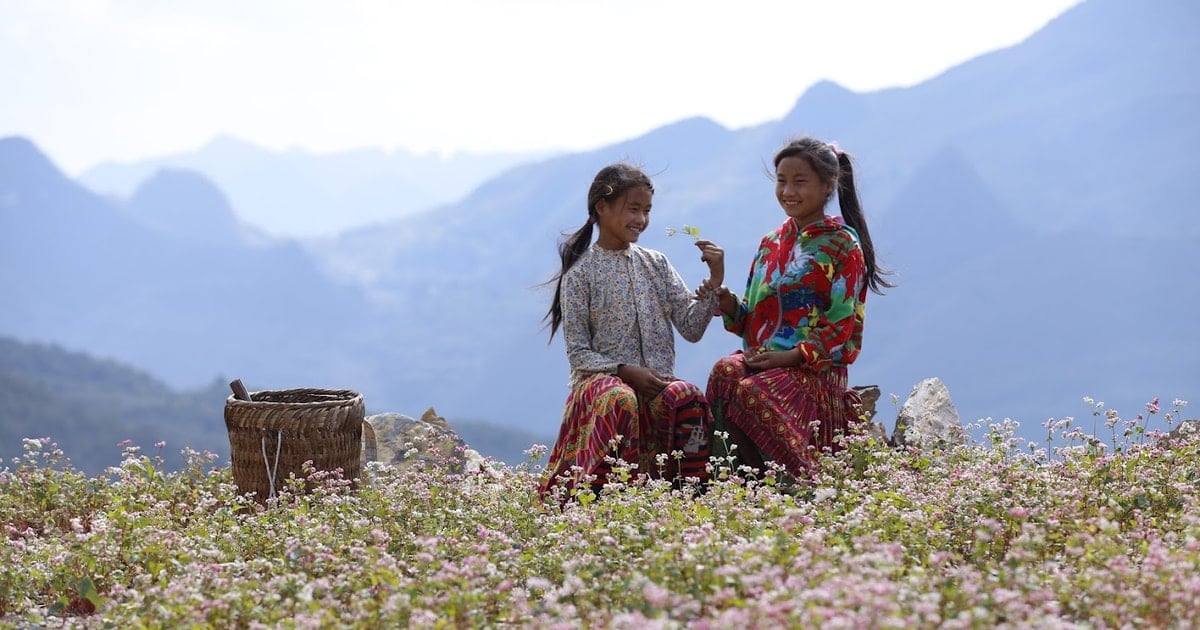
[276, 431]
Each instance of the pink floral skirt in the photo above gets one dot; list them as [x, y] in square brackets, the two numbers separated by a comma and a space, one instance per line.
[791, 414]
[605, 420]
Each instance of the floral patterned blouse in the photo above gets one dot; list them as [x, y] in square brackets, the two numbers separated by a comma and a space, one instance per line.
[618, 308]
[807, 289]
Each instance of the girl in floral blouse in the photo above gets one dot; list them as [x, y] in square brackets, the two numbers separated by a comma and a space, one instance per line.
[617, 303]
[783, 397]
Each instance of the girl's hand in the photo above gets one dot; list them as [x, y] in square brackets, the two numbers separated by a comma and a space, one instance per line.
[727, 302]
[766, 360]
[712, 255]
[707, 288]
[643, 380]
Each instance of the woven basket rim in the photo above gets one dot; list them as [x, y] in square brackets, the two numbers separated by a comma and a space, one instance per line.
[328, 398]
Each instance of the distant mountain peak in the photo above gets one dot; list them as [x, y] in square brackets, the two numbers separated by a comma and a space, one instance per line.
[947, 191]
[826, 110]
[185, 204]
[224, 143]
[178, 180]
[18, 143]
[827, 89]
[686, 129]
[23, 164]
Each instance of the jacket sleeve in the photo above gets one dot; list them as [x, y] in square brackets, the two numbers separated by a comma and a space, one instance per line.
[736, 323]
[690, 316]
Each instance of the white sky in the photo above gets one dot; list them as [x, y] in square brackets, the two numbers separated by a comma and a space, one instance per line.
[95, 80]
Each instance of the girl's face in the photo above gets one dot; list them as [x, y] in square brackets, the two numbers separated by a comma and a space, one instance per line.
[800, 192]
[623, 219]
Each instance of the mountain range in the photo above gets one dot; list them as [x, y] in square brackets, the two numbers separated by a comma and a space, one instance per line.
[298, 194]
[1032, 202]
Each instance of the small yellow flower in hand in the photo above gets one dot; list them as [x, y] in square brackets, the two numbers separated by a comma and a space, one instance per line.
[690, 230]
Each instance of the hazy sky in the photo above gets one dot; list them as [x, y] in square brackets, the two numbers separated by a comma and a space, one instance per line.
[95, 80]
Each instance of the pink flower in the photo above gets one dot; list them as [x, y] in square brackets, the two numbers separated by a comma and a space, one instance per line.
[656, 595]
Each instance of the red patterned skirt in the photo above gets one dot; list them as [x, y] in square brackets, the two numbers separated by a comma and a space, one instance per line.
[604, 418]
[791, 414]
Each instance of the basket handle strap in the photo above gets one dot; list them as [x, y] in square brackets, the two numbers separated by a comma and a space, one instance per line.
[271, 471]
[371, 448]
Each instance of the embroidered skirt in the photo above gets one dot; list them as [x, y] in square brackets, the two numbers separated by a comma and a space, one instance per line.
[791, 414]
[604, 419]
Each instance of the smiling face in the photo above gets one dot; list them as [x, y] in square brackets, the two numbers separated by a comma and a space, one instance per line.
[800, 192]
[623, 219]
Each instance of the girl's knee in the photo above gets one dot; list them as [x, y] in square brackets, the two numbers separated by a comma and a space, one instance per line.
[623, 397]
[682, 389]
[730, 366]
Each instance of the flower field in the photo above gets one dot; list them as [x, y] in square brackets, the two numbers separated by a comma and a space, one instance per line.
[1073, 532]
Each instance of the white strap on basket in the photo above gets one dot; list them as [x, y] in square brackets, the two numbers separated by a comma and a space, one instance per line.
[271, 470]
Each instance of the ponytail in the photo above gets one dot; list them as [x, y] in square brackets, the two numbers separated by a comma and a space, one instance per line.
[569, 250]
[852, 212]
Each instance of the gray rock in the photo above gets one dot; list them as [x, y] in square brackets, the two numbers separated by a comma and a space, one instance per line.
[401, 441]
[928, 418]
[869, 394]
[1186, 431]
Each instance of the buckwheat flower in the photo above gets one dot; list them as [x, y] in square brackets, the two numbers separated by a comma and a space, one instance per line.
[656, 595]
[1152, 406]
[422, 617]
[823, 494]
[690, 230]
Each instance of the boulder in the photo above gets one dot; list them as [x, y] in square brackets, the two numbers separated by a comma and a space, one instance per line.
[404, 442]
[1186, 431]
[928, 418]
[869, 395]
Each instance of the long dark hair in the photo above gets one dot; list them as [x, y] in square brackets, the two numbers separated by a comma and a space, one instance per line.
[609, 184]
[833, 166]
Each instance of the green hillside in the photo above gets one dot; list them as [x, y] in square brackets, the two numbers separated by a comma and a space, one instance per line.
[89, 405]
